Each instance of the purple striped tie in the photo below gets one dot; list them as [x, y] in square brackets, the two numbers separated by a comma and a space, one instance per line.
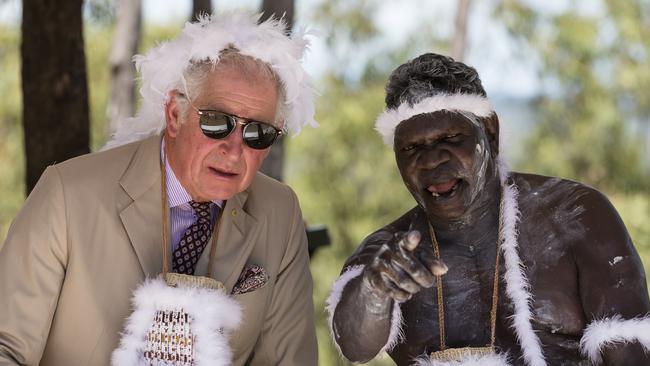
[194, 239]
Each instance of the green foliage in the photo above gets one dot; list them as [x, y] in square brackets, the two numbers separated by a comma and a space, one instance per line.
[347, 179]
[98, 38]
[98, 46]
[12, 163]
[100, 11]
[596, 66]
[635, 211]
[354, 184]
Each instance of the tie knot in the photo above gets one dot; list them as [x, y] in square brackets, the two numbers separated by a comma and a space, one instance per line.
[202, 209]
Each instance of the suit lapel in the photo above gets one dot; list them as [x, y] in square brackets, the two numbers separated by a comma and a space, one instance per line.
[142, 218]
[237, 236]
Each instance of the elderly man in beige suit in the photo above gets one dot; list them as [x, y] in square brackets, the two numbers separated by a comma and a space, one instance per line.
[214, 100]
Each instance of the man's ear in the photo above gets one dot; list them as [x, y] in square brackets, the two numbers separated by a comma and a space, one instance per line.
[492, 131]
[172, 114]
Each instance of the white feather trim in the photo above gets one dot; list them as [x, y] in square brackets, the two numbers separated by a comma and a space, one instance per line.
[395, 334]
[389, 119]
[503, 170]
[517, 283]
[215, 315]
[608, 331]
[162, 68]
[489, 360]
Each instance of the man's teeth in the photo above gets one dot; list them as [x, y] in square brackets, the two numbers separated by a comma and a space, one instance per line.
[447, 193]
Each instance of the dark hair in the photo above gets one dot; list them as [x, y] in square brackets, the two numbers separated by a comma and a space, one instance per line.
[430, 74]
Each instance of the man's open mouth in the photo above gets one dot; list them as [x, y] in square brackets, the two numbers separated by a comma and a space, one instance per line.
[444, 189]
[222, 173]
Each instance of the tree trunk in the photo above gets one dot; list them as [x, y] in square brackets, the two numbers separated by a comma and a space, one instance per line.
[279, 8]
[273, 165]
[126, 40]
[200, 6]
[55, 94]
[460, 34]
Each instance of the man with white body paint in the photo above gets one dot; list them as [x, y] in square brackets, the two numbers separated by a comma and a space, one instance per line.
[491, 267]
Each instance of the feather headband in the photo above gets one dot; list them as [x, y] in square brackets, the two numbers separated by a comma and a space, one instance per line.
[162, 68]
[390, 118]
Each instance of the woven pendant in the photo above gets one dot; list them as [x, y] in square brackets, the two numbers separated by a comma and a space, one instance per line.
[466, 356]
[179, 321]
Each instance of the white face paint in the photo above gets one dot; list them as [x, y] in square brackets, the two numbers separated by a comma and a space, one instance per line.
[481, 156]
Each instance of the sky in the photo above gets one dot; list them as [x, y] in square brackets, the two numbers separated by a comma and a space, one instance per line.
[397, 20]
[489, 49]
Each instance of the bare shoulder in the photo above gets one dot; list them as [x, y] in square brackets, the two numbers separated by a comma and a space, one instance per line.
[580, 217]
[572, 208]
[572, 223]
[543, 191]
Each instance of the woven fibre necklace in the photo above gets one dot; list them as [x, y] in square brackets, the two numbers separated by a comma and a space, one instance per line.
[450, 354]
[174, 279]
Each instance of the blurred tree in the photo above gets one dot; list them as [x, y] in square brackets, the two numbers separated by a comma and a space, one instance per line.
[595, 68]
[459, 37]
[100, 12]
[55, 95]
[273, 165]
[126, 39]
[346, 178]
[200, 7]
[279, 9]
[12, 159]
[351, 28]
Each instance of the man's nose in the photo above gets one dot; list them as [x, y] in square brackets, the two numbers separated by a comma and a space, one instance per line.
[434, 157]
[233, 145]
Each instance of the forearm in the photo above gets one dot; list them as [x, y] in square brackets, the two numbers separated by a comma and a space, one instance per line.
[386, 270]
[617, 341]
[364, 323]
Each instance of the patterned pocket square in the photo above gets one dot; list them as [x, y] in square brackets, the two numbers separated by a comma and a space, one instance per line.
[250, 279]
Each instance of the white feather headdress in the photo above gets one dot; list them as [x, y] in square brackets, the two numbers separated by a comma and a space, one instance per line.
[387, 121]
[162, 68]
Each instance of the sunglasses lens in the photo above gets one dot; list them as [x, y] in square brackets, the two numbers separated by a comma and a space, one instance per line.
[259, 135]
[216, 125]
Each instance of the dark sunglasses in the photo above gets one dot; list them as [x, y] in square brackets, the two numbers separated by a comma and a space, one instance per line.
[256, 135]
[218, 125]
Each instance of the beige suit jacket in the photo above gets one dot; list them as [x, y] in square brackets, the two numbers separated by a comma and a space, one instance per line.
[90, 233]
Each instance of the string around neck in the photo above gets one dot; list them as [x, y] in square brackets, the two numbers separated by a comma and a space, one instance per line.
[455, 353]
[166, 242]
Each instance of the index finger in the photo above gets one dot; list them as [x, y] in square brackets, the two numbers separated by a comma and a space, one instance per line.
[436, 266]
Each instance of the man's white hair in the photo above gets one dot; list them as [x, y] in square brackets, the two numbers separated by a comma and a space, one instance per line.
[164, 67]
